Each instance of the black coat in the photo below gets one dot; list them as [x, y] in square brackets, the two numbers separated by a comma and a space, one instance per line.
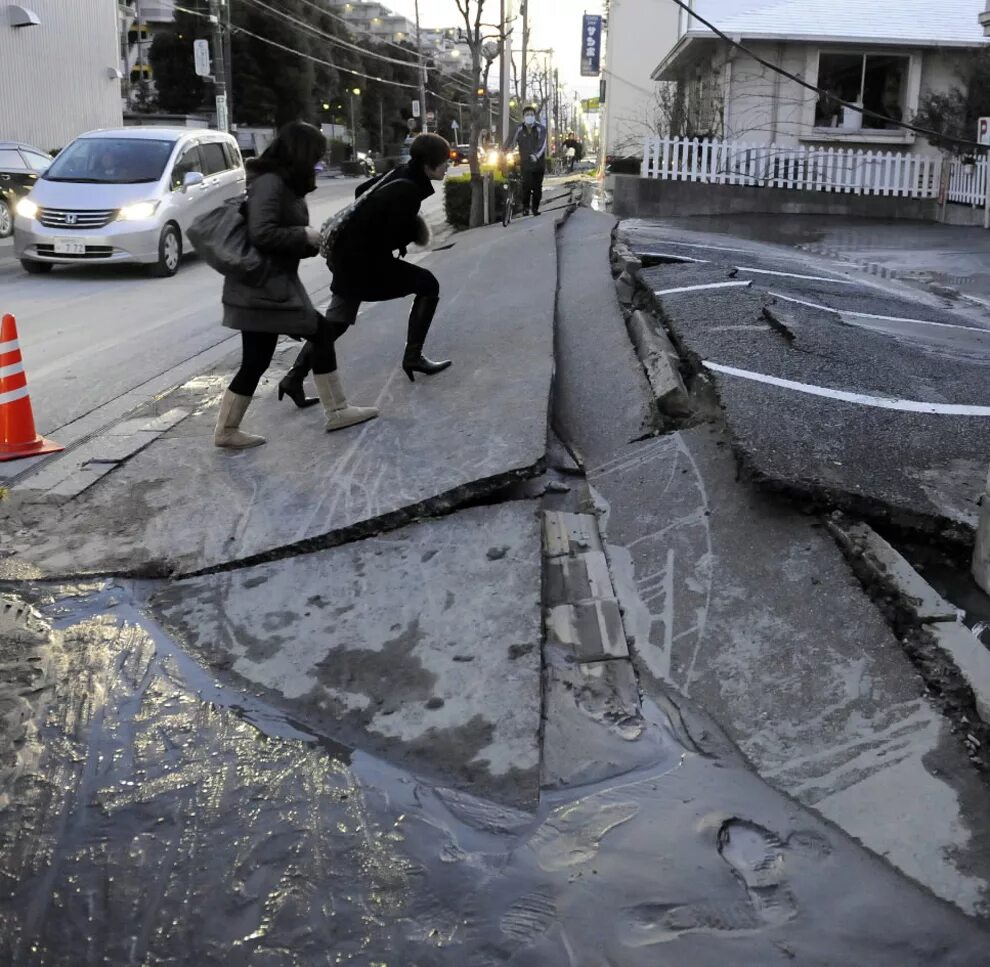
[386, 222]
[277, 218]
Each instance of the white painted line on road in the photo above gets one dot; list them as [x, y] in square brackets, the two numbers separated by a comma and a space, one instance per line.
[873, 315]
[880, 402]
[707, 285]
[13, 395]
[794, 275]
[671, 255]
[9, 347]
[712, 248]
[12, 370]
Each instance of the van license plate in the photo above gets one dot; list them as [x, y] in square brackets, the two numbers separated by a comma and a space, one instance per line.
[65, 246]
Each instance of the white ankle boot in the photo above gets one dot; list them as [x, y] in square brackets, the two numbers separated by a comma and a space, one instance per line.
[228, 432]
[339, 412]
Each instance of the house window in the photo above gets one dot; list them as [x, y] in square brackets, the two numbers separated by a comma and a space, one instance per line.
[876, 81]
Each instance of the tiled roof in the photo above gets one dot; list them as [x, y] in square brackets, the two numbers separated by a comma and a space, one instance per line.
[919, 22]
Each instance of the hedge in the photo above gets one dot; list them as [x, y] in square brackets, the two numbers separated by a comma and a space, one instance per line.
[457, 199]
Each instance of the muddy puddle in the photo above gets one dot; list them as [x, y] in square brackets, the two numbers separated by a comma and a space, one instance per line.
[166, 818]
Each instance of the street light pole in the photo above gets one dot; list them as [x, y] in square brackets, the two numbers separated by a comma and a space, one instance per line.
[219, 66]
[422, 72]
[352, 92]
[506, 80]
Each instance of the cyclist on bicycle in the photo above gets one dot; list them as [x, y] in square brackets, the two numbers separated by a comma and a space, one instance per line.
[531, 140]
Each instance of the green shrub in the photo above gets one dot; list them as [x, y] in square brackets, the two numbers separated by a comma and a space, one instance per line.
[457, 199]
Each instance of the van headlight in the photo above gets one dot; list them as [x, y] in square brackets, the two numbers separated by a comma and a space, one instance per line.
[26, 208]
[138, 212]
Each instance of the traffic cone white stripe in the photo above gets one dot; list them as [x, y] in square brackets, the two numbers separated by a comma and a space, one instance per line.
[9, 347]
[13, 395]
[11, 370]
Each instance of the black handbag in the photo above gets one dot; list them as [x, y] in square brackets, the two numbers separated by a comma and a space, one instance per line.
[220, 238]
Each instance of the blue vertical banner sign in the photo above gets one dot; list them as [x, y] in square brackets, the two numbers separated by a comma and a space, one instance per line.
[591, 46]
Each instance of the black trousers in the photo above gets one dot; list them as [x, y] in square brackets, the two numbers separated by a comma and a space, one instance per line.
[258, 348]
[532, 188]
[380, 282]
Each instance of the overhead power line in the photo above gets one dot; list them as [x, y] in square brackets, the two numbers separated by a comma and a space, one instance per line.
[865, 111]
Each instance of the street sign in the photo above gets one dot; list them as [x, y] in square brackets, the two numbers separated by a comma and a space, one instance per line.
[454, 125]
[983, 135]
[591, 105]
[591, 46]
[201, 57]
[223, 123]
[430, 117]
[415, 109]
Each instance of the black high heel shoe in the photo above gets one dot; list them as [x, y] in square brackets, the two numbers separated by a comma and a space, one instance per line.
[294, 390]
[420, 364]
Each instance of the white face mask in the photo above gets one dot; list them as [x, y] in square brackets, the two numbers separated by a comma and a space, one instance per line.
[529, 120]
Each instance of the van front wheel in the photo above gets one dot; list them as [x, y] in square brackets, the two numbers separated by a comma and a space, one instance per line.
[169, 253]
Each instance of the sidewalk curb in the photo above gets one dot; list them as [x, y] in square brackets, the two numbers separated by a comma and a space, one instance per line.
[938, 620]
[661, 363]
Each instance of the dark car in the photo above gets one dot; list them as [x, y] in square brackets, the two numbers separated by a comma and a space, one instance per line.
[20, 166]
[460, 154]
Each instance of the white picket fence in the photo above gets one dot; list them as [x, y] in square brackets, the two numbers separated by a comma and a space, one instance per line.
[816, 169]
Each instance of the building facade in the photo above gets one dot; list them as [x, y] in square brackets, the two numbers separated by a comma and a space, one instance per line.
[59, 69]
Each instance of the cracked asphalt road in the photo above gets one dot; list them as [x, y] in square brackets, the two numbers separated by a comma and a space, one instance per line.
[855, 426]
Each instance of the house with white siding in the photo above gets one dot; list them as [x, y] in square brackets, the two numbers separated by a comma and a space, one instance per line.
[59, 69]
[879, 55]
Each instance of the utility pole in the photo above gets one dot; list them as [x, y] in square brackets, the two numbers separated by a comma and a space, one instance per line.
[524, 10]
[506, 65]
[228, 57]
[219, 66]
[422, 72]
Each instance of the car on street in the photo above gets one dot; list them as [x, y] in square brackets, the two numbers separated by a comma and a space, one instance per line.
[20, 167]
[126, 195]
[460, 154]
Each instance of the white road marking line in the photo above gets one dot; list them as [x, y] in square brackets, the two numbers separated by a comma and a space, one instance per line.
[873, 315]
[880, 402]
[707, 285]
[712, 248]
[671, 255]
[794, 275]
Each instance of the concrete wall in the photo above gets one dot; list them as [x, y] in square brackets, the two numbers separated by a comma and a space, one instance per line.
[636, 197]
[640, 34]
[54, 77]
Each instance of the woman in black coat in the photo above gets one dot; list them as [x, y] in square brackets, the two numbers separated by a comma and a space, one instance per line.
[278, 226]
[365, 265]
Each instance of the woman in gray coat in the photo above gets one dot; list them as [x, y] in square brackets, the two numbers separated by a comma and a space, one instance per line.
[278, 226]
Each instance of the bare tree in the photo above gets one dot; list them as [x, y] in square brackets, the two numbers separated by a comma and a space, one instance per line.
[485, 42]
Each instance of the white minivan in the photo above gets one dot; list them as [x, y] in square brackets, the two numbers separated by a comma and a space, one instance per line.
[126, 195]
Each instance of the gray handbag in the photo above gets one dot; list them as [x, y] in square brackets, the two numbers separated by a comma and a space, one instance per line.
[220, 238]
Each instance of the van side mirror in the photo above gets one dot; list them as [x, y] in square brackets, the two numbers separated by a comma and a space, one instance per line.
[192, 178]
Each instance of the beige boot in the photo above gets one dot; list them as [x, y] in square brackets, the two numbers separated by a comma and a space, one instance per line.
[339, 412]
[228, 433]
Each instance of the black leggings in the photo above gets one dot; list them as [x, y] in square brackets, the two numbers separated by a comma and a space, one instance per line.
[258, 348]
[382, 283]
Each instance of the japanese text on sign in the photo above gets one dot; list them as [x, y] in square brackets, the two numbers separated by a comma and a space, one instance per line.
[591, 46]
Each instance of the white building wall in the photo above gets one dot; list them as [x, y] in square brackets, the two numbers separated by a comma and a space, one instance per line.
[640, 34]
[763, 107]
[55, 78]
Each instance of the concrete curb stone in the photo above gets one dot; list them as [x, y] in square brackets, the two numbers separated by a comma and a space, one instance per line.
[661, 363]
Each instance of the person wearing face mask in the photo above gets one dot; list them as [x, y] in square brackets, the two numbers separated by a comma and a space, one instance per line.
[531, 140]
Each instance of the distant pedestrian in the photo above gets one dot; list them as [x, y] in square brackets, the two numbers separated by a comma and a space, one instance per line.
[278, 226]
[531, 139]
[571, 148]
[368, 254]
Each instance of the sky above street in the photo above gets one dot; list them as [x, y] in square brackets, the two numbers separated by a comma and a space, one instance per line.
[554, 24]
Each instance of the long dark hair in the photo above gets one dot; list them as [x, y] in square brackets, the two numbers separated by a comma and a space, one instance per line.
[293, 154]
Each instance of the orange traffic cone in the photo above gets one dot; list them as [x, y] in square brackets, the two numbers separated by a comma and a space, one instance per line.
[17, 434]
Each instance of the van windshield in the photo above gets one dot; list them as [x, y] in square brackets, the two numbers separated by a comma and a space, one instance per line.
[111, 161]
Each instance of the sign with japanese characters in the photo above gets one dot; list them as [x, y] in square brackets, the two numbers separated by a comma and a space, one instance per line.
[591, 46]
[983, 132]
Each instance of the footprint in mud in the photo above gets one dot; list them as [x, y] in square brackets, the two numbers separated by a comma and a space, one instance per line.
[758, 859]
[529, 917]
[572, 835]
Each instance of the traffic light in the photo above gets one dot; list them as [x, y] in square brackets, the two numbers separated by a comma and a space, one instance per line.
[480, 92]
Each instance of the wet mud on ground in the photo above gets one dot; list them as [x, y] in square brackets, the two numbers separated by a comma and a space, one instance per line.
[162, 818]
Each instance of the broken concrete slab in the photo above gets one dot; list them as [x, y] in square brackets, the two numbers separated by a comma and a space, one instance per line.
[661, 364]
[971, 658]
[422, 645]
[892, 569]
[185, 506]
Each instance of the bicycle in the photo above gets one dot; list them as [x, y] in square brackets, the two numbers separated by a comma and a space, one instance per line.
[510, 194]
